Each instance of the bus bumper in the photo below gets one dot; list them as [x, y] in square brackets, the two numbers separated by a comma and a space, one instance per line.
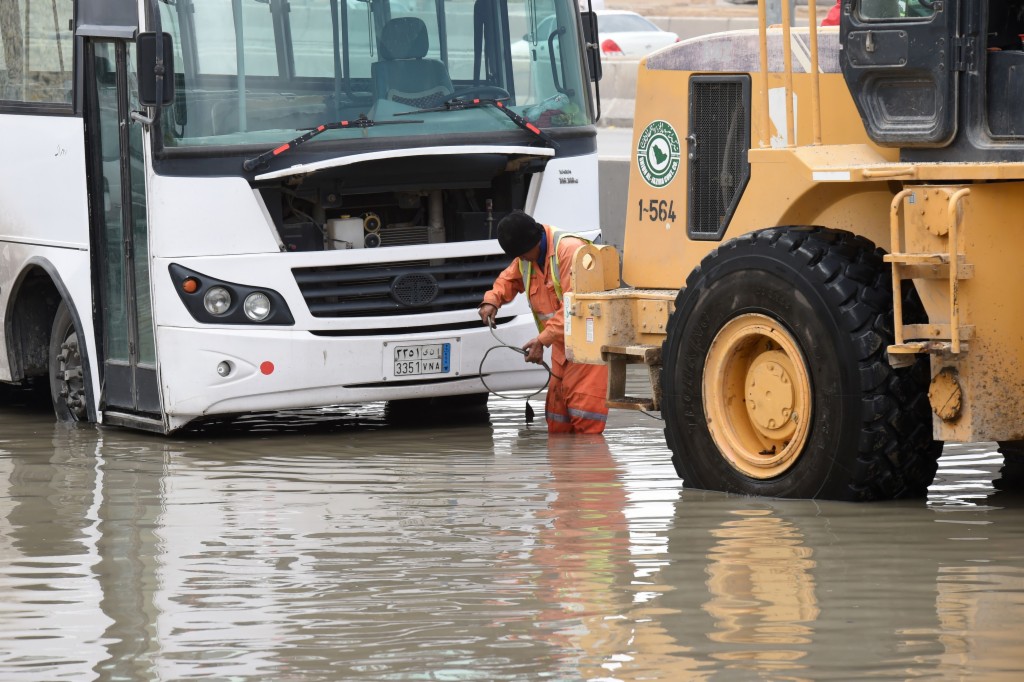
[254, 370]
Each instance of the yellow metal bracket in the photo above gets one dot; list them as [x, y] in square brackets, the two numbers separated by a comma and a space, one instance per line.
[617, 358]
[595, 268]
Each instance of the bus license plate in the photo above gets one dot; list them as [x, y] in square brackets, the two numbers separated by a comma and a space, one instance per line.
[428, 358]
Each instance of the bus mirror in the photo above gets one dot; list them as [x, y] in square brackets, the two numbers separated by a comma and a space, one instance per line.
[593, 48]
[146, 44]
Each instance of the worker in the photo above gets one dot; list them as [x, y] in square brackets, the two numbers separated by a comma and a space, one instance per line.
[543, 269]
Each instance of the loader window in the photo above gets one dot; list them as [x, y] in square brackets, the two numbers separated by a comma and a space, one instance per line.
[882, 10]
[1005, 69]
[1005, 24]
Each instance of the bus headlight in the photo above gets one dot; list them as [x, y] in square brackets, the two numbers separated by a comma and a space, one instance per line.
[214, 301]
[217, 301]
[257, 306]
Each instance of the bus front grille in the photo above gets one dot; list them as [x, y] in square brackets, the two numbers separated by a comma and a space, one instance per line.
[400, 288]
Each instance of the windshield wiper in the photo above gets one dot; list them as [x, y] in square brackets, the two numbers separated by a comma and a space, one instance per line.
[457, 104]
[361, 122]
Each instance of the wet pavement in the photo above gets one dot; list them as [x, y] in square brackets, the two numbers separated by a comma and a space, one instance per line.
[331, 545]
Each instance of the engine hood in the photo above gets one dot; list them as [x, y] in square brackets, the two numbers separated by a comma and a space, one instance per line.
[459, 150]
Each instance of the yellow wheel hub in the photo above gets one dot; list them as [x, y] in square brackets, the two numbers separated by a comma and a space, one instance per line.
[757, 396]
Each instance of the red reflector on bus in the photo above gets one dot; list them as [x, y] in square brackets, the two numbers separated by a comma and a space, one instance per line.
[267, 367]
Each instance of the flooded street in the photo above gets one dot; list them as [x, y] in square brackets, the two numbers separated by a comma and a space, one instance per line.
[338, 547]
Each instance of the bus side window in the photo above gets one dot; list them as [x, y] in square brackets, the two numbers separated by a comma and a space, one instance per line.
[106, 86]
[36, 51]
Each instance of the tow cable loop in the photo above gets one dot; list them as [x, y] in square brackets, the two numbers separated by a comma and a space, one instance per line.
[501, 344]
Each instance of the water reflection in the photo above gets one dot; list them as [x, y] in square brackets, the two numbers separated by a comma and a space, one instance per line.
[127, 510]
[343, 547]
[580, 554]
[47, 545]
[762, 587]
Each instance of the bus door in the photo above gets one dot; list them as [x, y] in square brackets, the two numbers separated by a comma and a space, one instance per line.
[120, 242]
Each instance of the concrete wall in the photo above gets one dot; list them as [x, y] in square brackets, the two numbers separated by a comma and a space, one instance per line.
[613, 180]
[691, 27]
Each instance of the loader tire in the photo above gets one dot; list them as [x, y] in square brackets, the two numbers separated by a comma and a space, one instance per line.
[1011, 474]
[776, 380]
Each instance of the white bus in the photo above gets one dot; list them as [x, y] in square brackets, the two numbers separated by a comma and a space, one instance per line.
[297, 211]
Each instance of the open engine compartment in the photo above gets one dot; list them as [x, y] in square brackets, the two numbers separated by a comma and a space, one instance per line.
[399, 202]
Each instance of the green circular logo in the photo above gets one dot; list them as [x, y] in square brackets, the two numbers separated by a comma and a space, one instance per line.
[657, 154]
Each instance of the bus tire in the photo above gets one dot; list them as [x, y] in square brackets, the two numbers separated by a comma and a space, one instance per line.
[776, 380]
[67, 370]
[468, 408]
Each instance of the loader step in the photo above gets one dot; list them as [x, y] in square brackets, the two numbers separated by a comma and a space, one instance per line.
[924, 347]
[928, 266]
[917, 258]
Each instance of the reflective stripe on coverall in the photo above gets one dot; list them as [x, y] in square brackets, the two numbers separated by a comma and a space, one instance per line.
[576, 394]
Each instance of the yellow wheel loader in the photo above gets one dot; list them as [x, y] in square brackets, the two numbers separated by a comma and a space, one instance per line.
[822, 251]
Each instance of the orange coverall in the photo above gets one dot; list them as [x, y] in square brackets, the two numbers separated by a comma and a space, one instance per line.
[576, 395]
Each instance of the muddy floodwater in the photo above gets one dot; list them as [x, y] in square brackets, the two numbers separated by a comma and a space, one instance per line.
[335, 546]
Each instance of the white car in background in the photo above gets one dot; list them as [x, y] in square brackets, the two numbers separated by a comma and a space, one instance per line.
[622, 33]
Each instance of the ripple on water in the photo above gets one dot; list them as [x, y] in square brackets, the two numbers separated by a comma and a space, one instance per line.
[335, 544]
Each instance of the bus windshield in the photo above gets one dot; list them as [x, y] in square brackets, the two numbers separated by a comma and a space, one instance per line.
[252, 72]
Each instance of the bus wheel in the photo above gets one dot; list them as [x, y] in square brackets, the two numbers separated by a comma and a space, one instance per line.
[67, 378]
[471, 408]
[776, 380]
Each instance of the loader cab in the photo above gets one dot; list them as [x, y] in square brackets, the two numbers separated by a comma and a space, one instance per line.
[940, 79]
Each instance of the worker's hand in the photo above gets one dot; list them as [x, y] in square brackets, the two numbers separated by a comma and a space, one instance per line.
[487, 313]
[534, 351]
